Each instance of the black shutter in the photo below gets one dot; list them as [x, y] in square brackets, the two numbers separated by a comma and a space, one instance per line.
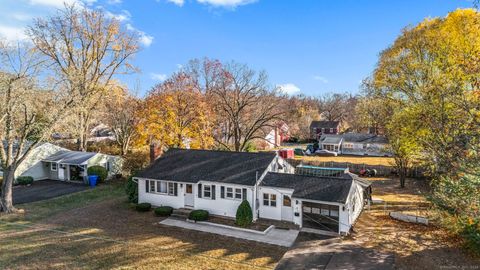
[147, 185]
[213, 192]
[175, 189]
[222, 192]
[244, 194]
[199, 190]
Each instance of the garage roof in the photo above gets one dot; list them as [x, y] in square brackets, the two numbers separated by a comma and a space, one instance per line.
[192, 166]
[327, 189]
[70, 157]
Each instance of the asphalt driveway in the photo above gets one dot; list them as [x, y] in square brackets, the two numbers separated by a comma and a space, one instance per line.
[45, 189]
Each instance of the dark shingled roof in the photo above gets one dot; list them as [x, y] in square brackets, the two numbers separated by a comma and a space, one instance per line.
[186, 165]
[324, 124]
[327, 189]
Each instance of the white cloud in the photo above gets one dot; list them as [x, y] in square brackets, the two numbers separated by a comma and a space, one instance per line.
[288, 88]
[158, 76]
[320, 78]
[13, 33]
[123, 16]
[177, 2]
[60, 3]
[145, 39]
[114, 2]
[226, 3]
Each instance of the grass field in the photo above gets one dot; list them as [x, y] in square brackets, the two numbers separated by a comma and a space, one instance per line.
[385, 161]
[98, 229]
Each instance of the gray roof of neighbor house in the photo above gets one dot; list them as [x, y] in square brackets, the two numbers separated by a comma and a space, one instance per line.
[192, 166]
[318, 188]
[331, 139]
[364, 138]
[324, 124]
[70, 157]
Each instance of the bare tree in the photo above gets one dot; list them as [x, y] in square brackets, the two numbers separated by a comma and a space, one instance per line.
[243, 103]
[122, 117]
[86, 49]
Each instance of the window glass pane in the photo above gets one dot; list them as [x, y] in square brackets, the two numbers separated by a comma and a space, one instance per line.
[207, 191]
[334, 213]
[286, 201]
[152, 186]
[229, 192]
[307, 209]
[325, 212]
[171, 189]
[265, 196]
[238, 193]
[315, 210]
[265, 202]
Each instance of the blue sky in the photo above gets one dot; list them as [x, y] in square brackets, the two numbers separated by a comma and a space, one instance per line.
[308, 46]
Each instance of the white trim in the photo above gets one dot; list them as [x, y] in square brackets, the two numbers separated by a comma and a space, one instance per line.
[51, 166]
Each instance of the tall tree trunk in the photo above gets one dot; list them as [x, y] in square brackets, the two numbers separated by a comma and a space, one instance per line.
[6, 202]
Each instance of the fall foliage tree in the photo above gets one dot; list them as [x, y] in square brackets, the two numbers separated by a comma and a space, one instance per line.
[86, 49]
[176, 114]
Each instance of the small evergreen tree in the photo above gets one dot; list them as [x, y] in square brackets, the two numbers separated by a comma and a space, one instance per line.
[131, 188]
[244, 215]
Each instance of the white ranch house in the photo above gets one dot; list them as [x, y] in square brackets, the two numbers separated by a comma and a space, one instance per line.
[49, 161]
[218, 181]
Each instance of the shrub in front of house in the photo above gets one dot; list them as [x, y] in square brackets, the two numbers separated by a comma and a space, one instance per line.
[24, 180]
[100, 171]
[131, 189]
[198, 215]
[244, 216]
[163, 211]
[143, 207]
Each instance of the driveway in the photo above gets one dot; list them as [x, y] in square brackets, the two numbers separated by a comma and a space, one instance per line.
[45, 189]
[334, 254]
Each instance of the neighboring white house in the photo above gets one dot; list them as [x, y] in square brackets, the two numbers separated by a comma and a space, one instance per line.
[218, 181]
[49, 161]
[355, 144]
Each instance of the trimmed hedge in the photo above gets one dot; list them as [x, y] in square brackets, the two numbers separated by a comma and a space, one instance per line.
[143, 207]
[244, 216]
[198, 215]
[100, 171]
[24, 180]
[163, 211]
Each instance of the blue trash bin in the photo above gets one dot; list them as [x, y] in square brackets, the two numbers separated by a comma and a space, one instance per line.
[92, 180]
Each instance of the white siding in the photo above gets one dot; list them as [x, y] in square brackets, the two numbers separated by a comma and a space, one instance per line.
[219, 206]
[160, 199]
[33, 166]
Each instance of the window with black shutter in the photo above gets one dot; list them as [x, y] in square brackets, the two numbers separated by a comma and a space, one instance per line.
[222, 192]
[199, 191]
[244, 194]
[175, 192]
[147, 185]
[213, 192]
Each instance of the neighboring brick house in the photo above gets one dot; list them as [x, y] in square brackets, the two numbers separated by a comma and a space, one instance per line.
[319, 128]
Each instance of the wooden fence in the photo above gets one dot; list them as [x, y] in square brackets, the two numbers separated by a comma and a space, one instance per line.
[382, 170]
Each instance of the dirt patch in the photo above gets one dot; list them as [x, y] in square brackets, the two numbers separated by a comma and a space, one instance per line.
[415, 246]
[116, 220]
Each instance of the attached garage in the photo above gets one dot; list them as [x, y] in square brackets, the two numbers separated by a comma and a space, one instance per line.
[320, 216]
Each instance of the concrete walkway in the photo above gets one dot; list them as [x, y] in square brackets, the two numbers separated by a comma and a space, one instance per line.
[275, 236]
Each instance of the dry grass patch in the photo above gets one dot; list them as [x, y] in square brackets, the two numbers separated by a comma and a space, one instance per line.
[367, 160]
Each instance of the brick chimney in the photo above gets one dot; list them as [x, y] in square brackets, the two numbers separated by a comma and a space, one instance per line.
[155, 152]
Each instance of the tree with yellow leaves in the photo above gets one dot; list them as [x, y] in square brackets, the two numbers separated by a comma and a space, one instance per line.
[176, 114]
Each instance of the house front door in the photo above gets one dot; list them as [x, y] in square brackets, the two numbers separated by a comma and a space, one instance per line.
[287, 209]
[61, 172]
[189, 195]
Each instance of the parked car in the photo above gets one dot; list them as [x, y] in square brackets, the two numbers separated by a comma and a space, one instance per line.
[324, 152]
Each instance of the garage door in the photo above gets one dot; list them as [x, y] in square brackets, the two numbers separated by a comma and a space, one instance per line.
[320, 216]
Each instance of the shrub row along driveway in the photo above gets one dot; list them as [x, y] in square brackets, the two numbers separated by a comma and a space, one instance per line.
[45, 189]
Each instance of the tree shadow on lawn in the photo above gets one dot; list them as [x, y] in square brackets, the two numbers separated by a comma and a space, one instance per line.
[141, 242]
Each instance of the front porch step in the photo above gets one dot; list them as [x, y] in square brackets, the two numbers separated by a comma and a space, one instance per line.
[181, 213]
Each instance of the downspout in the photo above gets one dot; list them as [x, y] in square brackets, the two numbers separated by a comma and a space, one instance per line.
[255, 197]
